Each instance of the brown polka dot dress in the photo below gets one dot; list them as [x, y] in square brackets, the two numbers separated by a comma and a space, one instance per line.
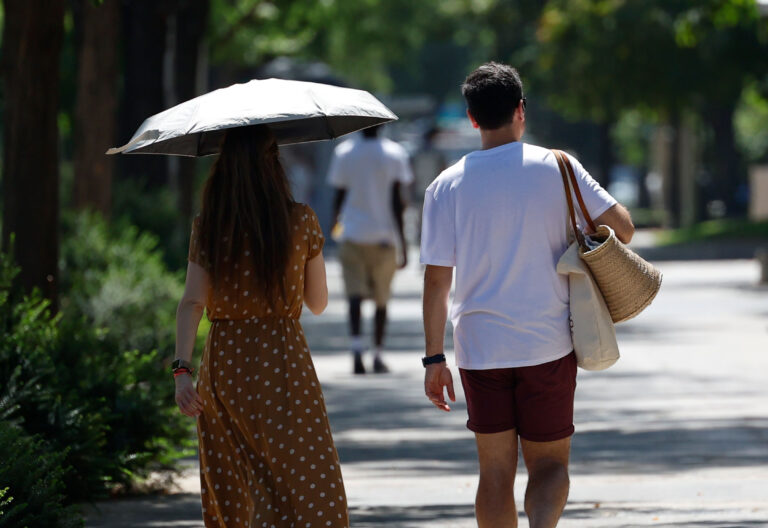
[267, 459]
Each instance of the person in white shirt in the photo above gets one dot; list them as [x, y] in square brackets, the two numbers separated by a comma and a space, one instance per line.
[499, 216]
[368, 173]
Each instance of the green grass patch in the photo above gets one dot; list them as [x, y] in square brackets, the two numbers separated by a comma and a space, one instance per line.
[734, 229]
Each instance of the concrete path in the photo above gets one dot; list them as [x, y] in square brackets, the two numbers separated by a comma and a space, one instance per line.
[675, 434]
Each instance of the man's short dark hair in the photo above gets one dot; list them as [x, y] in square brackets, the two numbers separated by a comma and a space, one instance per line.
[493, 91]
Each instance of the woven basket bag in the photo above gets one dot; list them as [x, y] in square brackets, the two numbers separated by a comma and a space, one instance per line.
[628, 282]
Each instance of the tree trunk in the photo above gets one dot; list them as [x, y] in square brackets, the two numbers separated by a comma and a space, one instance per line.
[95, 112]
[606, 153]
[144, 26]
[192, 19]
[673, 201]
[730, 176]
[32, 41]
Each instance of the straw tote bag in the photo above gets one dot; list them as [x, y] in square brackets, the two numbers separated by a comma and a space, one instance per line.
[628, 282]
[631, 282]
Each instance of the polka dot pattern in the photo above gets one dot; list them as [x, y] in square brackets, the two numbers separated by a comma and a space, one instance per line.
[267, 458]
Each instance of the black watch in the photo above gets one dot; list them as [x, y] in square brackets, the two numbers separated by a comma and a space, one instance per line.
[430, 360]
[180, 363]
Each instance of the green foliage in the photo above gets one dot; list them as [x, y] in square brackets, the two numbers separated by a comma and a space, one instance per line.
[3, 500]
[33, 390]
[36, 476]
[115, 276]
[155, 210]
[751, 122]
[723, 229]
[252, 31]
[361, 39]
[600, 57]
[92, 381]
[632, 134]
[114, 280]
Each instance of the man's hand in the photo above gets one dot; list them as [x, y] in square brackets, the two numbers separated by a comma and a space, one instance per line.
[187, 398]
[437, 377]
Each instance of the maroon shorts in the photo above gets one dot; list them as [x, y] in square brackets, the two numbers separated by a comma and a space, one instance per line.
[537, 400]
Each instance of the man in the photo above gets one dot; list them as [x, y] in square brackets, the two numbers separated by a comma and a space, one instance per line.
[499, 217]
[367, 174]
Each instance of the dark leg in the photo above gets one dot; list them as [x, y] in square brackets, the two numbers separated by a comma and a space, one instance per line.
[354, 331]
[354, 316]
[380, 325]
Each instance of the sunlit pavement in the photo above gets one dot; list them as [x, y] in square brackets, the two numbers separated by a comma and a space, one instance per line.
[675, 434]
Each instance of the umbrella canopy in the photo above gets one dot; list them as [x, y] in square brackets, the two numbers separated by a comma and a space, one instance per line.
[295, 111]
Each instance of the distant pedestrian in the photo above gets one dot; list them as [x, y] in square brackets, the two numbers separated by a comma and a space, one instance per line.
[255, 257]
[368, 173]
[499, 217]
[428, 162]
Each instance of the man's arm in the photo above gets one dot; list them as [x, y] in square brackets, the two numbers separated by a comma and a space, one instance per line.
[618, 219]
[398, 206]
[338, 201]
[437, 287]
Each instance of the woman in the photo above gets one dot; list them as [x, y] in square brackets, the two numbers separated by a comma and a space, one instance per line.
[267, 458]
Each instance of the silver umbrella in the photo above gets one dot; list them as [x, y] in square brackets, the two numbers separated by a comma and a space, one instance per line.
[296, 111]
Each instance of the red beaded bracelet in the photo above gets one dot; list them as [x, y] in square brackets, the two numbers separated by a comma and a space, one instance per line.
[182, 370]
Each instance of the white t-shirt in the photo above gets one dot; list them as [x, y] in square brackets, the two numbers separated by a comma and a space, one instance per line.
[499, 216]
[367, 168]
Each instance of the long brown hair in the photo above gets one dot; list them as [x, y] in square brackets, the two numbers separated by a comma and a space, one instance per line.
[248, 194]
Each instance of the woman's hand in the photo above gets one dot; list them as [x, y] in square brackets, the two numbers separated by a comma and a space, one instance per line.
[187, 398]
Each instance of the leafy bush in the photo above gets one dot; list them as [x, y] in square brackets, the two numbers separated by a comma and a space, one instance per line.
[116, 278]
[93, 381]
[4, 501]
[156, 211]
[35, 474]
[34, 394]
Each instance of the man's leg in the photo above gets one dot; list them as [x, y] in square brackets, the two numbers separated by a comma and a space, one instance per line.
[495, 502]
[380, 327]
[355, 333]
[544, 409]
[548, 481]
[382, 266]
[353, 268]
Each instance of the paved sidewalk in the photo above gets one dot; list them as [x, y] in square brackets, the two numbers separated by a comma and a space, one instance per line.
[676, 434]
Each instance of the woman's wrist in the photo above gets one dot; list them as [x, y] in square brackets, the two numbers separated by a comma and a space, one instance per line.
[181, 367]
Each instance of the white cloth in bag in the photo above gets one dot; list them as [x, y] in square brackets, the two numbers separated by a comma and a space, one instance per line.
[592, 330]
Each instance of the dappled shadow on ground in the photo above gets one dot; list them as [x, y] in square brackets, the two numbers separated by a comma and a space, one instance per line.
[167, 511]
[386, 419]
[410, 517]
[331, 336]
[671, 449]
[615, 516]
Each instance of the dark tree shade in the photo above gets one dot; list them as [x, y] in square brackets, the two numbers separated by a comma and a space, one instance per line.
[96, 108]
[191, 22]
[32, 41]
[144, 39]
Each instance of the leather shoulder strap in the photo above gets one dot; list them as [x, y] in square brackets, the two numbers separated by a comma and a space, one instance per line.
[560, 157]
[575, 185]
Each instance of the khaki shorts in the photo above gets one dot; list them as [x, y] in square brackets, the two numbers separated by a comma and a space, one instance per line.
[368, 270]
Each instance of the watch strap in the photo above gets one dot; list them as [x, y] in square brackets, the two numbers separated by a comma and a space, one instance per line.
[181, 363]
[431, 360]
